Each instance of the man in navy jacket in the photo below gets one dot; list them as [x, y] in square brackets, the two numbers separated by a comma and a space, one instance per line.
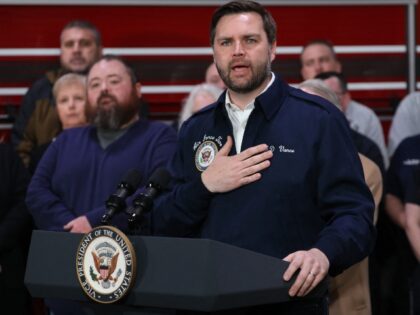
[268, 167]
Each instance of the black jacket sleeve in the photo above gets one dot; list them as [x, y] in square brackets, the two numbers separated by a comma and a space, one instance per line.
[15, 220]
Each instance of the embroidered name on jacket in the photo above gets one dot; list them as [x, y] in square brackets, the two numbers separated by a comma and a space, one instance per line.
[283, 149]
[411, 162]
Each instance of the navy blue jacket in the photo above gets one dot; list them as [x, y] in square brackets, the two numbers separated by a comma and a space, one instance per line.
[76, 175]
[312, 195]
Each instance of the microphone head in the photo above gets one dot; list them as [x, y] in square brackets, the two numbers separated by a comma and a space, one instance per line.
[160, 178]
[132, 180]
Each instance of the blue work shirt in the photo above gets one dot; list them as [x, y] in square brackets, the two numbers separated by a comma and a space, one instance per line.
[405, 163]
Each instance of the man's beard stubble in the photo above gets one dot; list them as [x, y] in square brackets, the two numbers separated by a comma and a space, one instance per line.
[260, 72]
[114, 117]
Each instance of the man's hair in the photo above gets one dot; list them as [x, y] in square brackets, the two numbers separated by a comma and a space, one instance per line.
[318, 87]
[87, 26]
[66, 80]
[323, 42]
[333, 74]
[130, 70]
[244, 6]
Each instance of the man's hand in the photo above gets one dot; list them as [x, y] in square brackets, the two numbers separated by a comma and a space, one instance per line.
[313, 265]
[79, 225]
[227, 173]
[412, 229]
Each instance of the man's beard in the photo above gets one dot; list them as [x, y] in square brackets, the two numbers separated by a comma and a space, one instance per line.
[113, 117]
[260, 72]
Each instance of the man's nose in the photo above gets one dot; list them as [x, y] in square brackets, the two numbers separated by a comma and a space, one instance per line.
[104, 87]
[76, 47]
[318, 67]
[238, 49]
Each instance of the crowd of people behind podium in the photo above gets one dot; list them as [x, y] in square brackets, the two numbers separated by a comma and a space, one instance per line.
[81, 127]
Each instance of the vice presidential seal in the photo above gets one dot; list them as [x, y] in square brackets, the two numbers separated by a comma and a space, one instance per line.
[205, 155]
[105, 264]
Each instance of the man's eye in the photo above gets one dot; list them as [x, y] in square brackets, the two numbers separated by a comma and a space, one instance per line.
[85, 43]
[94, 85]
[68, 44]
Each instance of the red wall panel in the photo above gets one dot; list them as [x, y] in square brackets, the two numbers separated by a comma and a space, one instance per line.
[188, 26]
[136, 26]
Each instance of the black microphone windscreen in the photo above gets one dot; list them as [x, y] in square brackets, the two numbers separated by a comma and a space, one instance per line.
[160, 178]
[132, 179]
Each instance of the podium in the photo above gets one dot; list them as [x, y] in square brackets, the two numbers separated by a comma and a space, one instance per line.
[172, 274]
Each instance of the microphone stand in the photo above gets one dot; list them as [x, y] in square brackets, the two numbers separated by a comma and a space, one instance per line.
[113, 202]
[136, 221]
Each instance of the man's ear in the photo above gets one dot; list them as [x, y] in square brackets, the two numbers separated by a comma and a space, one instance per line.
[345, 100]
[138, 89]
[338, 66]
[100, 52]
[273, 51]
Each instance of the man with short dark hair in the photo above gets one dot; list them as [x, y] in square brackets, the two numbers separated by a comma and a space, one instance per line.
[319, 56]
[402, 203]
[338, 84]
[83, 166]
[268, 167]
[213, 77]
[80, 47]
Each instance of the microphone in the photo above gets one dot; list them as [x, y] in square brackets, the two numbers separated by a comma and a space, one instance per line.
[116, 202]
[143, 203]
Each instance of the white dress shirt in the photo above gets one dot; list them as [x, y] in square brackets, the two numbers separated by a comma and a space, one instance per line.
[239, 117]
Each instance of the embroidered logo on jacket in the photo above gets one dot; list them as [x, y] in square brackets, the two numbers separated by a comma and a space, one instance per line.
[205, 155]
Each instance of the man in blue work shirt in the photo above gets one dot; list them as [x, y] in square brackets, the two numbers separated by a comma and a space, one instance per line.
[268, 167]
[83, 167]
[402, 203]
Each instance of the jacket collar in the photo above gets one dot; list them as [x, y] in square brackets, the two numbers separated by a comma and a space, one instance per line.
[270, 101]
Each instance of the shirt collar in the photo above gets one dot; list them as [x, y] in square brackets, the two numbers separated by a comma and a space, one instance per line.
[231, 105]
[270, 100]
